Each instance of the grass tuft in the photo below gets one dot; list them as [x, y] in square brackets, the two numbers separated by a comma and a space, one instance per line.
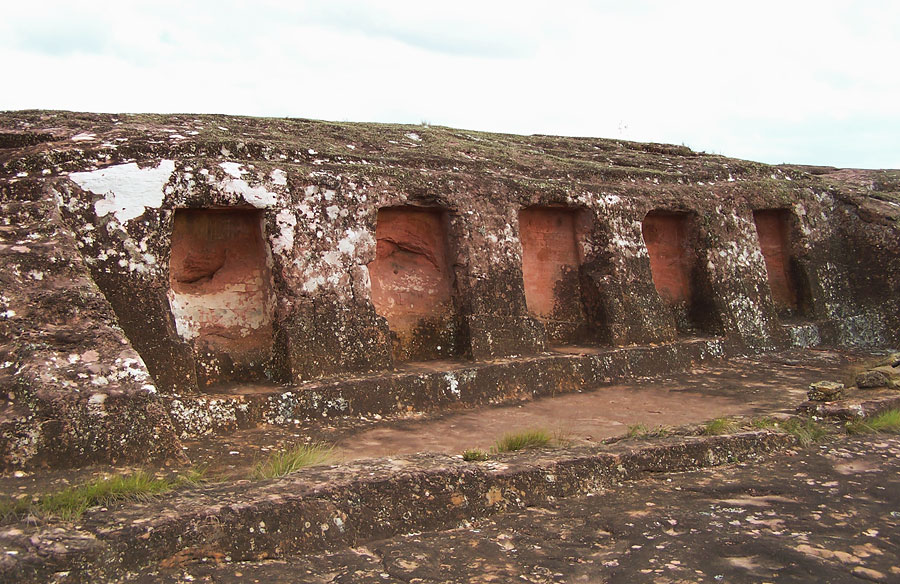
[806, 430]
[719, 426]
[764, 423]
[562, 437]
[858, 426]
[642, 431]
[13, 509]
[72, 502]
[521, 440]
[884, 423]
[284, 462]
[637, 431]
[192, 477]
[474, 454]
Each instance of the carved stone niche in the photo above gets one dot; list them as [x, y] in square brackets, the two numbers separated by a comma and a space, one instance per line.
[773, 228]
[678, 275]
[413, 283]
[551, 261]
[221, 292]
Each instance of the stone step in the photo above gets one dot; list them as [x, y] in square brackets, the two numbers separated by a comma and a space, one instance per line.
[425, 387]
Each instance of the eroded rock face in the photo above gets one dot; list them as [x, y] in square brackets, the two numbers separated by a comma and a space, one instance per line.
[189, 252]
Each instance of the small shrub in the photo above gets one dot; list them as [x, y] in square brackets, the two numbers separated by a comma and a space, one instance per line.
[806, 430]
[474, 454]
[70, 503]
[521, 440]
[284, 462]
[719, 426]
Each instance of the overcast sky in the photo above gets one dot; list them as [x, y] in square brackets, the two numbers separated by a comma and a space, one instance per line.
[787, 81]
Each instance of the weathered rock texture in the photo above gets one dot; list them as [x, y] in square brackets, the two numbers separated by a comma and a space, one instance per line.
[153, 264]
[343, 506]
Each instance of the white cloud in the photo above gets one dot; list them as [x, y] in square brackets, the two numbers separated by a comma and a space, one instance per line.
[763, 80]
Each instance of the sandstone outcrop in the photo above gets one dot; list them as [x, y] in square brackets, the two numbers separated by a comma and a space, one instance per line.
[156, 267]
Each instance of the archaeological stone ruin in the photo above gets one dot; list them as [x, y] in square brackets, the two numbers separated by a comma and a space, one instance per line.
[164, 277]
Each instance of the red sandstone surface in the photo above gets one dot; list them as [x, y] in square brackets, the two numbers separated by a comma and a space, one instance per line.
[377, 246]
[412, 281]
[221, 283]
[550, 258]
[410, 274]
[774, 242]
[670, 257]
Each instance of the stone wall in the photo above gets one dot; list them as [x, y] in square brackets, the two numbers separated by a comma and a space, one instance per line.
[219, 251]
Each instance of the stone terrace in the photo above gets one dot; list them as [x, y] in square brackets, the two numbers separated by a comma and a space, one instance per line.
[169, 277]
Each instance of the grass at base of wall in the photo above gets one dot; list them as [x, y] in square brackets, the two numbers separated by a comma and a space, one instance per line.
[11, 509]
[719, 426]
[284, 462]
[70, 503]
[764, 423]
[514, 441]
[474, 455]
[884, 423]
[805, 430]
[644, 431]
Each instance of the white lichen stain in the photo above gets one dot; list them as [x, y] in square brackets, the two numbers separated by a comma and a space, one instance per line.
[283, 241]
[332, 268]
[235, 186]
[453, 385]
[241, 307]
[281, 409]
[278, 177]
[803, 336]
[128, 190]
[202, 416]
[740, 260]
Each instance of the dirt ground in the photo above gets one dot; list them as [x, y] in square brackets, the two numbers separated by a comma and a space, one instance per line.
[752, 386]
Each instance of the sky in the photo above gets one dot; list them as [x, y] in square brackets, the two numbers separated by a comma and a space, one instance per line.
[789, 81]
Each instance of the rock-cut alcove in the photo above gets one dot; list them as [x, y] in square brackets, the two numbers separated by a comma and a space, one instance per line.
[550, 269]
[681, 282]
[773, 228]
[221, 292]
[665, 235]
[413, 284]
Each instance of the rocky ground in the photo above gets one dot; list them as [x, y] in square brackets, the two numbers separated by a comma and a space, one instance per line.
[748, 387]
[827, 513]
[683, 505]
